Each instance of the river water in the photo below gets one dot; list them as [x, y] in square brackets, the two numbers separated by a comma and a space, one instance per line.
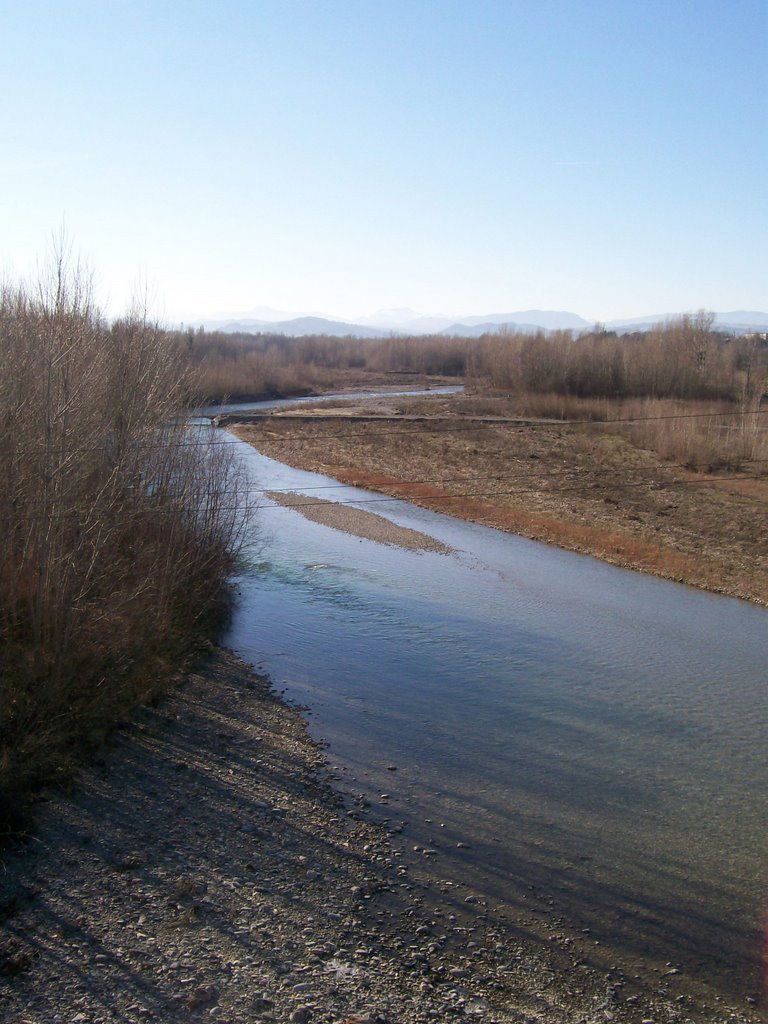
[595, 739]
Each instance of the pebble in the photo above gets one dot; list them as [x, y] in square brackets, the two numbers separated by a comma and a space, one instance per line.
[301, 1015]
[315, 922]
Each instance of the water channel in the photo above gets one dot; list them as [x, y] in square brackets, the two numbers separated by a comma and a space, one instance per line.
[586, 747]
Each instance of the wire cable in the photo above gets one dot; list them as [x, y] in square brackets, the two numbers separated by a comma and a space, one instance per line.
[412, 498]
[519, 423]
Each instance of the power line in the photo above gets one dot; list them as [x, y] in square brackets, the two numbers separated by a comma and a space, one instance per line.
[518, 423]
[424, 427]
[244, 506]
[406, 486]
[552, 474]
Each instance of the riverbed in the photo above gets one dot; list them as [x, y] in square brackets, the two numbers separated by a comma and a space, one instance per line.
[582, 745]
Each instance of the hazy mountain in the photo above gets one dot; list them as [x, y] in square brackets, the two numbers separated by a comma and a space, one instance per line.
[389, 317]
[736, 322]
[488, 327]
[270, 315]
[237, 326]
[406, 321]
[298, 327]
[743, 318]
[551, 320]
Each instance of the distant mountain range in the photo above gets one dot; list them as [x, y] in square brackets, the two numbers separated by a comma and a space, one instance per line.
[297, 327]
[407, 322]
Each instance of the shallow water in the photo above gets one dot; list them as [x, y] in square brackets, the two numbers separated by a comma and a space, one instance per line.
[597, 738]
[347, 396]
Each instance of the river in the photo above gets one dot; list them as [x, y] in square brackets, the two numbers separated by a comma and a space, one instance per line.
[584, 747]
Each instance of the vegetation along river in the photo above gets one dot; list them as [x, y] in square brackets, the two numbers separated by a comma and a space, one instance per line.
[586, 747]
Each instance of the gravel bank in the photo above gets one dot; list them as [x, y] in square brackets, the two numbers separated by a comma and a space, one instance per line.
[357, 521]
[207, 870]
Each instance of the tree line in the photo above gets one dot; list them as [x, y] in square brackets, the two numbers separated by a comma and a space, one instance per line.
[684, 358]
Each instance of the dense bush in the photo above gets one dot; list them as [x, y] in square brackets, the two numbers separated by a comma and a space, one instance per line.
[255, 365]
[117, 524]
[683, 358]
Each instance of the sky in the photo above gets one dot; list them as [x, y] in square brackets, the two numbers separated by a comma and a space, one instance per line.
[607, 157]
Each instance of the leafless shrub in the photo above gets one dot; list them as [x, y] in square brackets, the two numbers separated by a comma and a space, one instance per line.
[267, 365]
[706, 436]
[117, 525]
[694, 395]
[683, 358]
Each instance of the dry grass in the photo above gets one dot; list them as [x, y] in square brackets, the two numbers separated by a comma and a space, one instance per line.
[700, 435]
[609, 544]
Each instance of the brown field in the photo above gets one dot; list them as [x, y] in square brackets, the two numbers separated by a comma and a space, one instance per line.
[584, 487]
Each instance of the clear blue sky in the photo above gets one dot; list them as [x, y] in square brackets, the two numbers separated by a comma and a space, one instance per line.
[462, 156]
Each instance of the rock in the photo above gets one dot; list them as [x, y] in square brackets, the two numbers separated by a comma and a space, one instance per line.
[475, 1006]
[200, 997]
[289, 922]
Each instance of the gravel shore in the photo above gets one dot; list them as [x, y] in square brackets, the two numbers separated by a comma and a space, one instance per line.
[206, 870]
[357, 522]
[212, 867]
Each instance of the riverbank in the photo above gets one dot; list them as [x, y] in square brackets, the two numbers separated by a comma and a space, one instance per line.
[205, 869]
[209, 868]
[580, 487]
[341, 380]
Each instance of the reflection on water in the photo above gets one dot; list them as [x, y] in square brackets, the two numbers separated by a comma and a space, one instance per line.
[596, 738]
